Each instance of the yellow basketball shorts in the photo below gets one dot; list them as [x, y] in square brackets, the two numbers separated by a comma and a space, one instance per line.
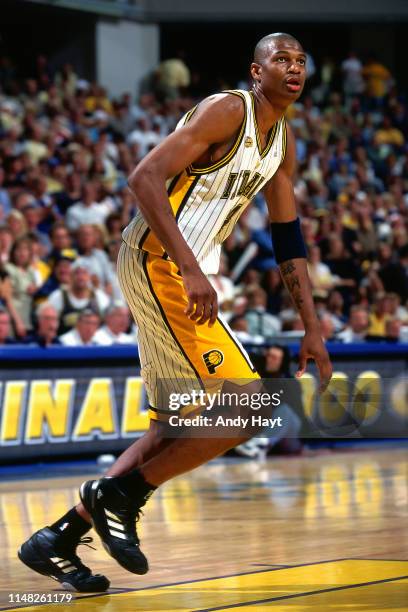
[171, 346]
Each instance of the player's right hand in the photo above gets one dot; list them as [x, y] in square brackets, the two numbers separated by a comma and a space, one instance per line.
[312, 347]
[202, 298]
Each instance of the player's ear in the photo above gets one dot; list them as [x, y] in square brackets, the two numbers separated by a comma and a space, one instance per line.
[256, 70]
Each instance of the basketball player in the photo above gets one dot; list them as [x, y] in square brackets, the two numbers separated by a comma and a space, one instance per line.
[191, 190]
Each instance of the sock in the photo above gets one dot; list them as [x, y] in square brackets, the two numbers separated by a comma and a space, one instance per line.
[71, 527]
[134, 486]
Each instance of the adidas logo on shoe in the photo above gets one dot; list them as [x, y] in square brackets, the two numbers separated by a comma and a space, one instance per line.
[42, 553]
[116, 525]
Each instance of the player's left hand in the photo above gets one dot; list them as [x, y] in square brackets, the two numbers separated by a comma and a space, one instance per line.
[312, 347]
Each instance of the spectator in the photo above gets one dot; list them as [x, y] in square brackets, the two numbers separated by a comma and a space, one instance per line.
[95, 259]
[60, 278]
[71, 194]
[114, 226]
[241, 328]
[22, 200]
[23, 282]
[66, 80]
[87, 210]
[335, 304]
[47, 322]
[80, 296]
[97, 100]
[356, 330]
[6, 302]
[41, 268]
[320, 275]
[260, 322]
[353, 82]
[379, 316]
[84, 331]
[30, 98]
[32, 215]
[239, 307]
[61, 243]
[35, 146]
[327, 328]
[342, 266]
[393, 330]
[396, 309]
[393, 272]
[116, 325]
[14, 169]
[377, 78]
[6, 242]
[39, 188]
[387, 134]
[172, 76]
[144, 136]
[327, 72]
[367, 240]
[16, 224]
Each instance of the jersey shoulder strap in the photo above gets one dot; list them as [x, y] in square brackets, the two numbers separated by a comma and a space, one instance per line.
[225, 159]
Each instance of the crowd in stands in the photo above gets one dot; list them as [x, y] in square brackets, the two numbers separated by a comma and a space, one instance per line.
[67, 148]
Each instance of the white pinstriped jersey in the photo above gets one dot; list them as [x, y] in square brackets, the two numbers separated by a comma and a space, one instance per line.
[207, 202]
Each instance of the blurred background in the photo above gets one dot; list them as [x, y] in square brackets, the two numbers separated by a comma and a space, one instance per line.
[87, 89]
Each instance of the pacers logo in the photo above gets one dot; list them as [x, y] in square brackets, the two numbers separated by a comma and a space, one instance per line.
[213, 359]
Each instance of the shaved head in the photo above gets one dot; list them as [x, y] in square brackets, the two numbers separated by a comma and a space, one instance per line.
[263, 46]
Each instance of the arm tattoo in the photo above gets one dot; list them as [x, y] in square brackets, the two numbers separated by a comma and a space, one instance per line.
[287, 268]
[298, 300]
[292, 282]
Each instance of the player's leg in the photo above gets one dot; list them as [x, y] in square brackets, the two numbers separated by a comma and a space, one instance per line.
[185, 353]
[144, 448]
[115, 503]
[51, 551]
[182, 456]
[55, 545]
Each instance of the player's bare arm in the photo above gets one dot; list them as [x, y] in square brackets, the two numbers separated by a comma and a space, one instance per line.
[207, 135]
[281, 203]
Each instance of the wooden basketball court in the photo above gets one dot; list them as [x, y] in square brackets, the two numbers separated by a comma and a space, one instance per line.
[290, 534]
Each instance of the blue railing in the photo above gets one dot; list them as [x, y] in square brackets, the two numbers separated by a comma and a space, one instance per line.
[130, 352]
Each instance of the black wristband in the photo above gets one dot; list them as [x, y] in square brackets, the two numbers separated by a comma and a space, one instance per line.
[287, 241]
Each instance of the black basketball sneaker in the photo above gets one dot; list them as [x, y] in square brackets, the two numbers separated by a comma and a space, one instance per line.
[114, 518]
[44, 554]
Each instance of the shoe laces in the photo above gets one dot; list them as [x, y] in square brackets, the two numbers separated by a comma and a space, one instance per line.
[86, 542]
[70, 555]
[125, 509]
[129, 518]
